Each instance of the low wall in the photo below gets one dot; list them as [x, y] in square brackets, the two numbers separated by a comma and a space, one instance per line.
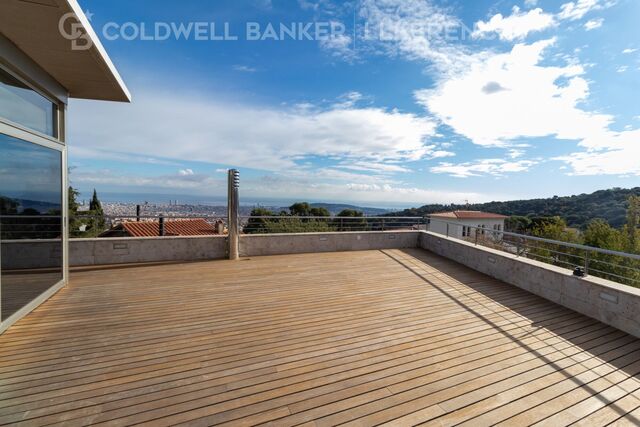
[296, 243]
[103, 251]
[27, 254]
[83, 252]
[611, 303]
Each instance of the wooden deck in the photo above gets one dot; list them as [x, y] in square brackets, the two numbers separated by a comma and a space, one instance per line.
[365, 338]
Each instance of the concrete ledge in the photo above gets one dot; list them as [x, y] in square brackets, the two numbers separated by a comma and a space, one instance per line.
[84, 252]
[609, 302]
[296, 243]
[20, 254]
[26, 254]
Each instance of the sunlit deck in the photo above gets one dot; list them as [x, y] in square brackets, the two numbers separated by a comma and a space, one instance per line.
[399, 336]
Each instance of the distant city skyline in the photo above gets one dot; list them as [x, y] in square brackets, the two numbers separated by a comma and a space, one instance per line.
[412, 102]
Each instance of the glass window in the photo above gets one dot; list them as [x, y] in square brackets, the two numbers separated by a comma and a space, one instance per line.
[30, 222]
[24, 106]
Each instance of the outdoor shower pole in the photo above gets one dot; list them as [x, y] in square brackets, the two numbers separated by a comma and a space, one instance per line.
[232, 213]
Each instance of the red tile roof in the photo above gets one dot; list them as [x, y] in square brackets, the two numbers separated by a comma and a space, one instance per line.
[188, 227]
[469, 215]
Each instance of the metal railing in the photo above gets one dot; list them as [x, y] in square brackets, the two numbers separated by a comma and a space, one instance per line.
[18, 227]
[94, 225]
[313, 224]
[584, 260]
[80, 226]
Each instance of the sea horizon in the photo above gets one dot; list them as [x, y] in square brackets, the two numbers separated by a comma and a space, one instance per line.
[191, 199]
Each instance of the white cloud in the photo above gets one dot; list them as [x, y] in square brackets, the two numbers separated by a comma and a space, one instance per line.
[339, 45]
[529, 100]
[494, 167]
[415, 29]
[575, 10]
[629, 50]
[531, 3]
[593, 24]
[263, 4]
[515, 26]
[532, 104]
[188, 182]
[441, 153]
[515, 153]
[186, 172]
[83, 152]
[608, 153]
[183, 127]
[245, 69]
[374, 167]
[349, 100]
[622, 69]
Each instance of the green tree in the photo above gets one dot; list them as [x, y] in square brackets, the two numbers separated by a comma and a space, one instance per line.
[600, 234]
[518, 224]
[74, 221]
[300, 209]
[555, 228]
[8, 206]
[355, 220]
[350, 213]
[256, 224]
[94, 204]
[73, 201]
[633, 221]
[85, 224]
[319, 212]
[296, 224]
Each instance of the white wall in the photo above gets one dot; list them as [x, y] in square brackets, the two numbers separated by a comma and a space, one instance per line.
[439, 225]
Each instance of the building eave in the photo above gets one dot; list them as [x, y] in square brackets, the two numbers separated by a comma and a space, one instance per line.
[34, 27]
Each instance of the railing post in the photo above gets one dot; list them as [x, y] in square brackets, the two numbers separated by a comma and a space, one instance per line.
[232, 213]
[138, 210]
[447, 229]
[161, 226]
[586, 262]
[477, 232]
[382, 224]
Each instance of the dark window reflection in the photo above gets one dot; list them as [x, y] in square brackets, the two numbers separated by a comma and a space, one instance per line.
[24, 106]
[30, 221]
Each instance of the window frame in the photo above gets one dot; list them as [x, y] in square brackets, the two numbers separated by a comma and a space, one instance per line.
[58, 109]
[57, 142]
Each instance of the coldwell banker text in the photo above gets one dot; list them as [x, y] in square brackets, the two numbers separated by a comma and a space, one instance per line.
[212, 31]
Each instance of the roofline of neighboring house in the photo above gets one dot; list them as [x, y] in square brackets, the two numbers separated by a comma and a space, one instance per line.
[470, 215]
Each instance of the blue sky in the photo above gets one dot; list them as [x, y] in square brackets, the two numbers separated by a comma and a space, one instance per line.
[404, 102]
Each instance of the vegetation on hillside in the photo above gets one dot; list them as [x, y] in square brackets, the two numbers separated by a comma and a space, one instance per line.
[302, 218]
[578, 211]
[598, 234]
[85, 223]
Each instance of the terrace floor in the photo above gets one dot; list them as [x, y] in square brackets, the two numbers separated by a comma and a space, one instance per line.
[399, 336]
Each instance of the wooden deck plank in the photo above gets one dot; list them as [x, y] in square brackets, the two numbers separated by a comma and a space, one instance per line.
[398, 336]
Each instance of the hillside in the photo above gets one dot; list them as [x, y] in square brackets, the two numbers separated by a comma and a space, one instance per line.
[578, 211]
[336, 208]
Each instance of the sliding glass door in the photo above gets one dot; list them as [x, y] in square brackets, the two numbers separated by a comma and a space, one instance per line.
[31, 222]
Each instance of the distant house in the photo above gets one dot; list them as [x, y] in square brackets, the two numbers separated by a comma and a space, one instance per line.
[180, 227]
[462, 223]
